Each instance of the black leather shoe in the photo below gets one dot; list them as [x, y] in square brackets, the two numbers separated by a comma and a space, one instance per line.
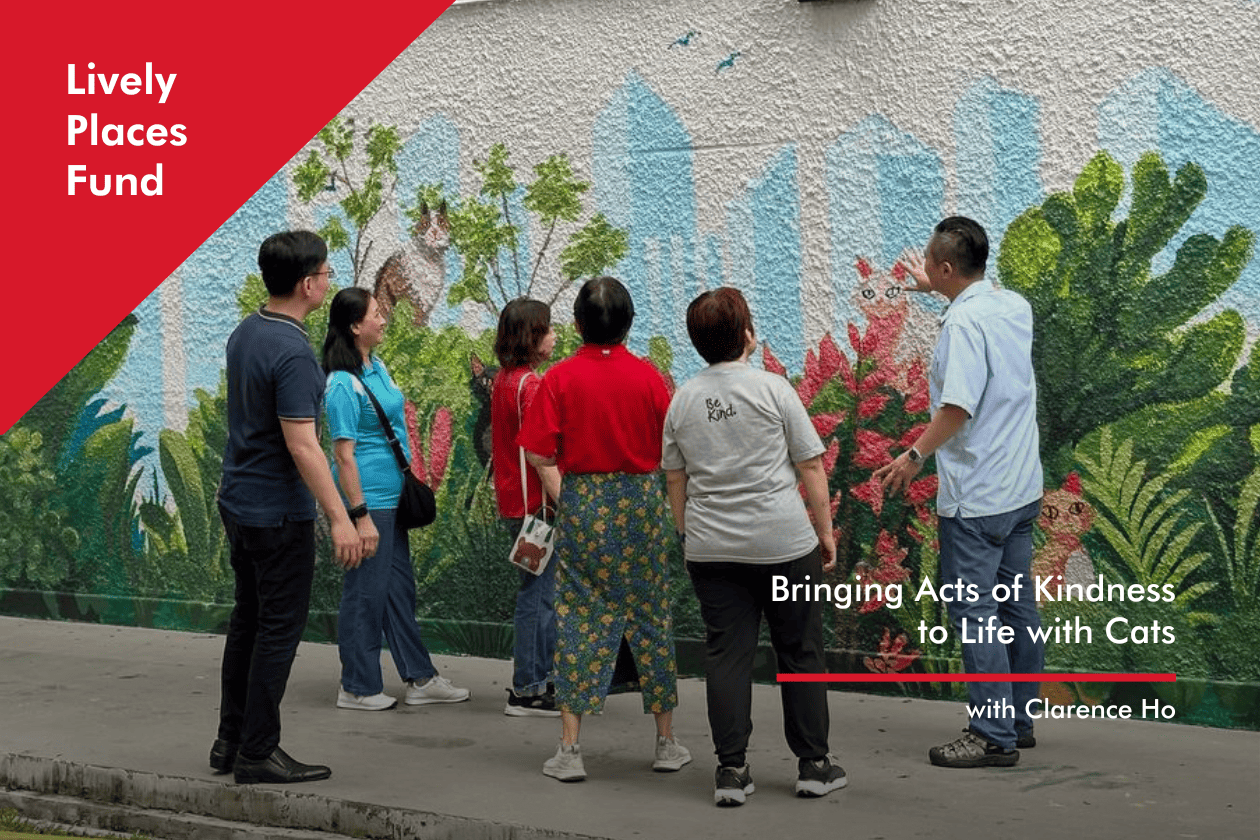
[222, 754]
[277, 769]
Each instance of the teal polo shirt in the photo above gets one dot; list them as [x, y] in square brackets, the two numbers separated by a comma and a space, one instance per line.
[351, 417]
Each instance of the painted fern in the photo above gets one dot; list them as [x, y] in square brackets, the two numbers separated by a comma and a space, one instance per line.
[1242, 552]
[1144, 525]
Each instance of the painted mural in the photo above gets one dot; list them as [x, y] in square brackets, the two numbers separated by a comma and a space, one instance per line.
[1142, 275]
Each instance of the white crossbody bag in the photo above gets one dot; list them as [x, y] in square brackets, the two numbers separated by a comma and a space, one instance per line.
[537, 538]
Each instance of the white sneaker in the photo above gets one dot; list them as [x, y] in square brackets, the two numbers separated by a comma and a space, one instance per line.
[365, 702]
[436, 690]
[566, 765]
[670, 755]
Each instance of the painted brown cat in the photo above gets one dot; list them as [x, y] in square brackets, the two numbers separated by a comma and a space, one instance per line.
[417, 272]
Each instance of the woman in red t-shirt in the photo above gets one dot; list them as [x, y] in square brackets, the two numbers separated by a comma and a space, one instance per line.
[599, 416]
[524, 340]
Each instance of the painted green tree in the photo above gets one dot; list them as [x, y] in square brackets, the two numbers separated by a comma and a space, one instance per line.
[364, 186]
[497, 268]
[1111, 334]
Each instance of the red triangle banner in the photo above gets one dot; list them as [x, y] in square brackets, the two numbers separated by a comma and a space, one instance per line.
[214, 99]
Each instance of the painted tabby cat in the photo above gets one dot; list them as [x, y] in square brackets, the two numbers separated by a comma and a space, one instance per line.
[417, 272]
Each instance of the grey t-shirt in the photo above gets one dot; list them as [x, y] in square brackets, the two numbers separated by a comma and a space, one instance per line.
[737, 431]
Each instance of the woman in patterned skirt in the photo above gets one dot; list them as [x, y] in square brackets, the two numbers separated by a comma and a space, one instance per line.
[599, 417]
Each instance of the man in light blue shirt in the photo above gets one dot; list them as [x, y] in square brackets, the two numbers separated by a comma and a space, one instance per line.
[984, 435]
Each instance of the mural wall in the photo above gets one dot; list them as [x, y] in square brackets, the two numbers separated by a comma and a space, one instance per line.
[794, 151]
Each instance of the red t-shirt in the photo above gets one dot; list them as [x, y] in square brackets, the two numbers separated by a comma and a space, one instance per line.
[600, 411]
[505, 458]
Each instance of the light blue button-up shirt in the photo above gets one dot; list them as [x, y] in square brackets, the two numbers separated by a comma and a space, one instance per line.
[983, 364]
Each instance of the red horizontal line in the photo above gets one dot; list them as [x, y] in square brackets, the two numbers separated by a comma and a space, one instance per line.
[970, 678]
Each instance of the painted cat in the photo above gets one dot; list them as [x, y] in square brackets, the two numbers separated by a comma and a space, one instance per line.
[417, 272]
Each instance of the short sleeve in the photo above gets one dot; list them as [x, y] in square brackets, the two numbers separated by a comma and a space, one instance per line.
[343, 407]
[529, 389]
[540, 432]
[299, 387]
[965, 372]
[671, 452]
[802, 438]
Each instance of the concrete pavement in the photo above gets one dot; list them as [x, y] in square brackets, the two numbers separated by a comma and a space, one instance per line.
[114, 720]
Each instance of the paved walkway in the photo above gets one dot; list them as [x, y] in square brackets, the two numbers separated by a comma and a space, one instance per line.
[126, 716]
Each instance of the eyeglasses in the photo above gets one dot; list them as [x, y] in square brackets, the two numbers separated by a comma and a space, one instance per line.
[331, 272]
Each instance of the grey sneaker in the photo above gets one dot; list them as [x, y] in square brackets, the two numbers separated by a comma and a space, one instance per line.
[732, 786]
[670, 755]
[436, 690]
[566, 765]
[972, 751]
[819, 777]
[378, 702]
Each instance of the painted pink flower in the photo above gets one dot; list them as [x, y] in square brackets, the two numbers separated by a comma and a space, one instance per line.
[855, 338]
[881, 335]
[918, 399]
[413, 440]
[430, 468]
[899, 271]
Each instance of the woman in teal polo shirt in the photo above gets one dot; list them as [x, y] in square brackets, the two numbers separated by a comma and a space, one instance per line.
[379, 596]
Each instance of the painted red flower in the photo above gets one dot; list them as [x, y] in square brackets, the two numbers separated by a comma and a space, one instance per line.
[430, 468]
[870, 492]
[829, 457]
[892, 656]
[920, 491]
[770, 363]
[918, 399]
[872, 449]
[825, 424]
[872, 406]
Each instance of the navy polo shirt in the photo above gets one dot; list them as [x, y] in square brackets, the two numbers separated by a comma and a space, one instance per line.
[272, 375]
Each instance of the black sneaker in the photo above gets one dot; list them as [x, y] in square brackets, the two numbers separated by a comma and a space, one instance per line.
[539, 705]
[732, 786]
[819, 777]
[972, 751]
[1025, 740]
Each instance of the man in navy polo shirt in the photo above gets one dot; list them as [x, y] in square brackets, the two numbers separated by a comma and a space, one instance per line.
[984, 434]
[273, 471]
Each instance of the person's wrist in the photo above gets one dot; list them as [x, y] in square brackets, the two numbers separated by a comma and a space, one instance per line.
[357, 512]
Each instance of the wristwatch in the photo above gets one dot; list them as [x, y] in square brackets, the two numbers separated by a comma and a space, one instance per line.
[358, 512]
[914, 456]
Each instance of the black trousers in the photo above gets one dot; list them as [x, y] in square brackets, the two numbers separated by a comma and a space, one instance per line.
[733, 597]
[274, 568]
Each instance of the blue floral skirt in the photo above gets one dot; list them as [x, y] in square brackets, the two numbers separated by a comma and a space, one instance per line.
[613, 582]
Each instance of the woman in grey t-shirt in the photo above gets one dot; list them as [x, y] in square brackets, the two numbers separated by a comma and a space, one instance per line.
[736, 443]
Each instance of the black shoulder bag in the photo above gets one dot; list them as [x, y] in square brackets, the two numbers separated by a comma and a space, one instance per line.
[417, 505]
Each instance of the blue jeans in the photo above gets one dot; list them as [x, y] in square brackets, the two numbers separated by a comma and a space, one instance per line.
[380, 597]
[534, 649]
[988, 550]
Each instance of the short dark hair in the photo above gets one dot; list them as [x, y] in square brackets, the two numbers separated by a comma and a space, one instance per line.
[349, 307]
[522, 324]
[285, 258]
[603, 311]
[962, 242]
[718, 322]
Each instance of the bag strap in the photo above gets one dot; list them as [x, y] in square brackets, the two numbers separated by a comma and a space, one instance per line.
[386, 427]
[520, 386]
